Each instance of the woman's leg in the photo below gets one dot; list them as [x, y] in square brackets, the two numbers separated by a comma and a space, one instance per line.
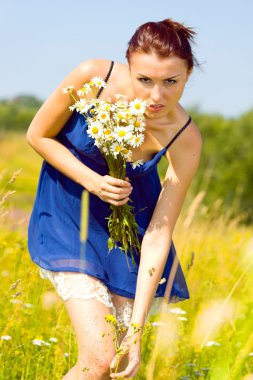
[95, 352]
[87, 301]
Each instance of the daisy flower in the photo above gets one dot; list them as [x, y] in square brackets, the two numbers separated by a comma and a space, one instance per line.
[81, 92]
[106, 107]
[123, 133]
[137, 140]
[138, 106]
[82, 106]
[103, 116]
[86, 88]
[107, 131]
[94, 130]
[98, 142]
[40, 342]
[5, 337]
[126, 153]
[53, 339]
[120, 116]
[121, 101]
[107, 134]
[121, 104]
[116, 148]
[139, 125]
[68, 89]
[120, 97]
[105, 149]
[72, 108]
[136, 163]
[128, 115]
[98, 82]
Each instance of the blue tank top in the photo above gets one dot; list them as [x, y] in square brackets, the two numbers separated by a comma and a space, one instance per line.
[54, 225]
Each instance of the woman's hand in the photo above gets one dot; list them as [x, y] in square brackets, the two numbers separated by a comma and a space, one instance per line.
[130, 346]
[112, 190]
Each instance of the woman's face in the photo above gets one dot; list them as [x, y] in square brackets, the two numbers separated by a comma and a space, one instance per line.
[161, 81]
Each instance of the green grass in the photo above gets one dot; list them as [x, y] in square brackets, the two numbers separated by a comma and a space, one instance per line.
[216, 255]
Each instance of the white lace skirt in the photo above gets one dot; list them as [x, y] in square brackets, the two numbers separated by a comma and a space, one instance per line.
[68, 284]
[71, 285]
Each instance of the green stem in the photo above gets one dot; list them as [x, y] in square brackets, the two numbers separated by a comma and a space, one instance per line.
[72, 96]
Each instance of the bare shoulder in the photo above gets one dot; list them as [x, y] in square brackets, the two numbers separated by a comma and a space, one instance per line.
[54, 112]
[84, 71]
[189, 141]
[94, 67]
[119, 79]
[194, 139]
[184, 155]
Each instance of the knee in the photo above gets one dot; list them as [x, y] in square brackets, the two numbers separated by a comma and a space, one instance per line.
[85, 373]
[94, 368]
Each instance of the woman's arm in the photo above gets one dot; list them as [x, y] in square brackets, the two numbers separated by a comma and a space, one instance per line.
[51, 118]
[184, 160]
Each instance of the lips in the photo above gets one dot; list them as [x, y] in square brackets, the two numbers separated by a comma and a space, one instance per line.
[155, 107]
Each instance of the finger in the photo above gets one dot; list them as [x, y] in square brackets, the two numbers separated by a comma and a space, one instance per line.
[130, 369]
[118, 203]
[116, 190]
[116, 197]
[117, 182]
[116, 360]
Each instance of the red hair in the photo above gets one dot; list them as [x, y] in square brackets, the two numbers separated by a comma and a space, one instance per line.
[163, 38]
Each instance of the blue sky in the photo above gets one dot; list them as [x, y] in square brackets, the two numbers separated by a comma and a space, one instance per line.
[43, 40]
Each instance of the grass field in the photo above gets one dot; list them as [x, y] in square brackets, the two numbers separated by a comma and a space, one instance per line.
[209, 336]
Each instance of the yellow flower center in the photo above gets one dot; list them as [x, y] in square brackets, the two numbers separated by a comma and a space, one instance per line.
[137, 139]
[137, 106]
[120, 116]
[137, 124]
[94, 130]
[125, 151]
[103, 116]
[107, 132]
[121, 133]
[118, 148]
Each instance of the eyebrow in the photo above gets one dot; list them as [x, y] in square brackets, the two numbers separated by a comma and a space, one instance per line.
[174, 76]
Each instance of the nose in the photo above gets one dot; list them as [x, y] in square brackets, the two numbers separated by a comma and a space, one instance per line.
[156, 94]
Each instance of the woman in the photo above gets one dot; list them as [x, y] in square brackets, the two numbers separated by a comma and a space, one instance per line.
[160, 61]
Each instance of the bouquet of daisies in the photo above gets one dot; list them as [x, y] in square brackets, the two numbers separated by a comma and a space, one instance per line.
[116, 128]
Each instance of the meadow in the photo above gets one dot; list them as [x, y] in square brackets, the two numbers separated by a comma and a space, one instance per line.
[209, 336]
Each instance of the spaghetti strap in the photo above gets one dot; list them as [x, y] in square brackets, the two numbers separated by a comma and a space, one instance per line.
[106, 79]
[178, 133]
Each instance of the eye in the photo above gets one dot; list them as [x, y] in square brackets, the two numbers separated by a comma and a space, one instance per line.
[144, 80]
[170, 81]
